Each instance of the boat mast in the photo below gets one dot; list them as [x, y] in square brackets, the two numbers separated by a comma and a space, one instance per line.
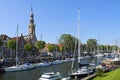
[79, 35]
[98, 46]
[17, 47]
[117, 45]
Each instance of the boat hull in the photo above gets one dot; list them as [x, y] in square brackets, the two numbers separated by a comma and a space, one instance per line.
[78, 75]
[2, 71]
[50, 76]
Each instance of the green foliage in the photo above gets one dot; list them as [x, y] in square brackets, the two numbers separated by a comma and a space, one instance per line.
[57, 47]
[113, 75]
[51, 47]
[1, 42]
[40, 44]
[91, 44]
[28, 46]
[61, 47]
[99, 72]
[11, 44]
[68, 41]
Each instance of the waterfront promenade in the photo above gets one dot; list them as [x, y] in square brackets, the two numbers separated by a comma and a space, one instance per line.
[89, 77]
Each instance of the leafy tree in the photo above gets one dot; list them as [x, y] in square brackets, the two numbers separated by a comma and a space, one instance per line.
[61, 47]
[84, 47]
[68, 41]
[51, 47]
[40, 44]
[109, 48]
[1, 42]
[11, 44]
[57, 48]
[28, 48]
[91, 44]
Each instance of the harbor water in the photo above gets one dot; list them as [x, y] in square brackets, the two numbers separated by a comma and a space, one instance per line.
[63, 68]
[34, 74]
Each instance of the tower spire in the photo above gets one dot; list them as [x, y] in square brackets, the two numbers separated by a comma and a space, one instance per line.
[31, 27]
[31, 16]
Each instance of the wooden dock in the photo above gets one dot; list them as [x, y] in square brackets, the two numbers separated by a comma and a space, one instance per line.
[89, 77]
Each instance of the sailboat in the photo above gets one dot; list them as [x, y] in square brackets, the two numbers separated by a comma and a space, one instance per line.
[80, 71]
[99, 54]
[18, 67]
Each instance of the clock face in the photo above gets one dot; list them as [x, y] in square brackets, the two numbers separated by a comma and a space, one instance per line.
[30, 30]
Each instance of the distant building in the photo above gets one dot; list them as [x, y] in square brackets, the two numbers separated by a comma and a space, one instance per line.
[31, 37]
[23, 39]
[3, 48]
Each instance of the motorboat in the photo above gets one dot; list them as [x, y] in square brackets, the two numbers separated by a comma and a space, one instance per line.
[50, 76]
[99, 55]
[57, 62]
[42, 64]
[116, 57]
[84, 60]
[67, 60]
[27, 66]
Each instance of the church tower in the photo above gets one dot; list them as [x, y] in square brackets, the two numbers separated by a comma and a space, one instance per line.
[31, 28]
[31, 24]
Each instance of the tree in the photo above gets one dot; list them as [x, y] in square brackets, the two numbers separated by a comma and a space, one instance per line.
[1, 42]
[51, 47]
[40, 44]
[91, 44]
[57, 49]
[68, 41]
[61, 47]
[28, 48]
[11, 44]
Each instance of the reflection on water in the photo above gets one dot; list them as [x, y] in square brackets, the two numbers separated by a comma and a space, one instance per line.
[63, 68]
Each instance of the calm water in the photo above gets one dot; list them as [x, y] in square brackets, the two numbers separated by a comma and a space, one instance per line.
[34, 74]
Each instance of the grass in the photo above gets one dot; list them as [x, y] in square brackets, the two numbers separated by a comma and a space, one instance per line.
[113, 75]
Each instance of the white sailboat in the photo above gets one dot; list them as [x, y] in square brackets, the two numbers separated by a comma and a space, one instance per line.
[116, 54]
[99, 54]
[80, 71]
[18, 67]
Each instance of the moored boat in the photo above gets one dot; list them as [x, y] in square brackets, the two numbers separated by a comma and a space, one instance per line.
[17, 67]
[42, 64]
[57, 62]
[50, 76]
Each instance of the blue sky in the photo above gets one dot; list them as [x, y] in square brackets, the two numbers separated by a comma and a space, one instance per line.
[55, 17]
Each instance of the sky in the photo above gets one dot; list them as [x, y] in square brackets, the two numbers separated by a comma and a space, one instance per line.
[56, 17]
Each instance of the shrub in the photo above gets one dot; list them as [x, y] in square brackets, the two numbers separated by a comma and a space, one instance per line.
[99, 72]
